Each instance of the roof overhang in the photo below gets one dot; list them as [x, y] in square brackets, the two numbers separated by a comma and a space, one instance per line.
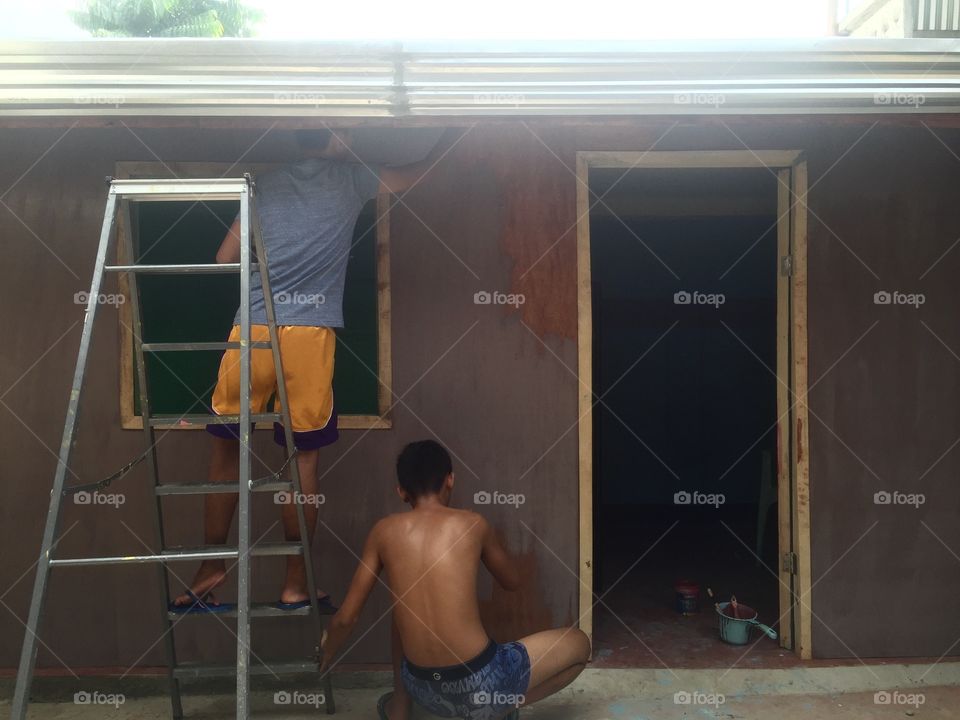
[234, 77]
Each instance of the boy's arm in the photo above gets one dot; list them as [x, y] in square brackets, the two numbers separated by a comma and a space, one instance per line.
[229, 251]
[398, 179]
[498, 561]
[363, 581]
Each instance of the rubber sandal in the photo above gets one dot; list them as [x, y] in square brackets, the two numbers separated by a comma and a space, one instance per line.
[382, 705]
[326, 605]
[199, 605]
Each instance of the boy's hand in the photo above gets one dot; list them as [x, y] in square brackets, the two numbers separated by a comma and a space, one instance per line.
[324, 660]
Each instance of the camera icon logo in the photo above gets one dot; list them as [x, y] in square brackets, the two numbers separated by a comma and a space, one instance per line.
[282, 498]
[282, 698]
[83, 498]
[682, 298]
[882, 498]
[882, 298]
[482, 298]
[682, 498]
[82, 698]
[482, 498]
[481, 698]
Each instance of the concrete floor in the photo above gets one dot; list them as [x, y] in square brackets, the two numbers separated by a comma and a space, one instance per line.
[785, 694]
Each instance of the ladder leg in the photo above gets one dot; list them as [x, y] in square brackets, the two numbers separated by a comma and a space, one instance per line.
[28, 653]
[129, 249]
[288, 441]
[243, 519]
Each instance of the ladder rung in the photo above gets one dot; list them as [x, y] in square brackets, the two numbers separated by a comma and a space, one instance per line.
[179, 188]
[256, 610]
[188, 346]
[206, 268]
[211, 419]
[195, 671]
[204, 552]
[216, 488]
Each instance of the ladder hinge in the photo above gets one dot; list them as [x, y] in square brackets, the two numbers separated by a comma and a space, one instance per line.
[786, 265]
[790, 562]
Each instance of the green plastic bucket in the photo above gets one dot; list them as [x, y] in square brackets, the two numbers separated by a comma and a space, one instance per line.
[736, 630]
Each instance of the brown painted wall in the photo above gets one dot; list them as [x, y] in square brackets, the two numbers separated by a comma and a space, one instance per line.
[499, 388]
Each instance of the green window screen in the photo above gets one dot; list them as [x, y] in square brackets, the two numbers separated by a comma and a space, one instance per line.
[201, 308]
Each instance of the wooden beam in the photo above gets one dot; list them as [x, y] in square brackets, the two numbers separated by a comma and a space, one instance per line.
[801, 439]
[585, 394]
[784, 473]
[698, 159]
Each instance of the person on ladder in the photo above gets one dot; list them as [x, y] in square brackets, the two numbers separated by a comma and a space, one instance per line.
[307, 212]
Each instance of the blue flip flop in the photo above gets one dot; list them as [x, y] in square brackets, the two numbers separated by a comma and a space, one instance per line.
[382, 705]
[199, 605]
[326, 606]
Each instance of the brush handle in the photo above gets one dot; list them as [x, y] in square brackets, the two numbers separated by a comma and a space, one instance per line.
[771, 633]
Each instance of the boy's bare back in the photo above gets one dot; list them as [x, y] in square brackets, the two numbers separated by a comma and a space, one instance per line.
[431, 556]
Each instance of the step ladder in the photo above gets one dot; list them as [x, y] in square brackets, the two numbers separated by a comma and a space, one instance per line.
[121, 194]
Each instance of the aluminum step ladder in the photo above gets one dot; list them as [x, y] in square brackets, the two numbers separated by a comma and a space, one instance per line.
[121, 194]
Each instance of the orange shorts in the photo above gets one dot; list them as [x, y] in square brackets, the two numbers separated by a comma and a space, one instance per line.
[307, 354]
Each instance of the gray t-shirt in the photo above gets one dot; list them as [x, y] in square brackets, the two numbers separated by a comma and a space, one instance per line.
[308, 211]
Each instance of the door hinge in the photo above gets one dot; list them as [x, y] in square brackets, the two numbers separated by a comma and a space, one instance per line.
[790, 563]
[786, 265]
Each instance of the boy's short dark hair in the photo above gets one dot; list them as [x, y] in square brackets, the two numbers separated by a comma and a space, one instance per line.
[422, 467]
[313, 138]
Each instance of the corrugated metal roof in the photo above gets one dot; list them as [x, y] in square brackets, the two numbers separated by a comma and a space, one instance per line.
[232, 77]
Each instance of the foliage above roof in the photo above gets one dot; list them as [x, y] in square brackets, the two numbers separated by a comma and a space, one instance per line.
[167, 18]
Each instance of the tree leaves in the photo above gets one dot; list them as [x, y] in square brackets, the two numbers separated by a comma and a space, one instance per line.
[167, 18]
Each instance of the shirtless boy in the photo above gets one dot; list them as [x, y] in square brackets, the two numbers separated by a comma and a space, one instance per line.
[443, 658]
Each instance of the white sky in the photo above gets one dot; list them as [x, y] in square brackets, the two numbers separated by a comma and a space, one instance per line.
[483, 19]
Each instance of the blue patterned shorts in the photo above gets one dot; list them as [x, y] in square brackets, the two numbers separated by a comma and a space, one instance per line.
[485, 688]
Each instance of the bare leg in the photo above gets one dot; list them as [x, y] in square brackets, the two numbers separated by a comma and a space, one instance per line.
[556, 658]
[218, 509]
[398, 708]
[295, 585]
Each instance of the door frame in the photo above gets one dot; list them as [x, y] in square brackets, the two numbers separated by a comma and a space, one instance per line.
[793, 464]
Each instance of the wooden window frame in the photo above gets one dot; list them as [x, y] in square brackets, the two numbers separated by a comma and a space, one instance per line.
[131, 421]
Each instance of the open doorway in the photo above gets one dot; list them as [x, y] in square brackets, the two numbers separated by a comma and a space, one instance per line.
[691, 464]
